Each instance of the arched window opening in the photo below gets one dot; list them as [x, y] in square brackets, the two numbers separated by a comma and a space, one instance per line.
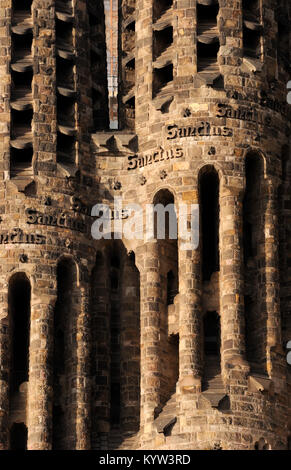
[63, 354]
[254, 174]
[254, 262]
[209, 206]
[166, 233]
[165, 221]
[19, 313]
[18, 437]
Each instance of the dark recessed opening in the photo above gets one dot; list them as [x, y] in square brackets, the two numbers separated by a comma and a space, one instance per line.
[65, 73]
[20, 160]
[114, 281]
[172, 288]
[64, 6]
[21, 45]
[20, 122]
[65, 149]
[66, 111]
[251, 9]
[211, 334]
[160, 7]
[207, 15]
[252, 43]
[253, 172]
[115, 262]
[22, 5]
[130, 113]
[207, 56]
[64, 34]
[209, 204]
[130, 65]
[21, 80]
[254, 261]
[18, 437]
[131, 26]
[19, 312]
[161, 78]
[283, 43]
[161, 41]
[162, 228]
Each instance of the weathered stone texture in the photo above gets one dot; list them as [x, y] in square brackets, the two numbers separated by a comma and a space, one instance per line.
[140, 344]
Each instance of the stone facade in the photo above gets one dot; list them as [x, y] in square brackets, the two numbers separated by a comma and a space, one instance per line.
[133, 344]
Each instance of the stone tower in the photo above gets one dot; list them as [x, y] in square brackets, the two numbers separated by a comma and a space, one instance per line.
[134, 343]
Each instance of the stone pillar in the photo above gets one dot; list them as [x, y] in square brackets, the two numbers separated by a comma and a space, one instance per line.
[231, 278]
[150, 319]
[272, 278]
[40, 373]
[143, 62]
[4, 374]
[185, 27]
[5, 86]
[83, 387]
[190, 320]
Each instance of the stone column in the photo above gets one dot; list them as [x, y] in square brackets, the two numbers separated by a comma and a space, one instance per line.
[231, 278]
[40, 373]
[272, 278]
[184, 30]
[151, 311]
[143, 62]
[83, 386]
[5, 87]
[190, 320]
[4, 374]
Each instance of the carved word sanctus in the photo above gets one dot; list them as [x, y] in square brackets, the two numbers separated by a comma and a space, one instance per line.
[242, 113]
[137, 161]
[200, 129]
[17, 236]
[62, 220]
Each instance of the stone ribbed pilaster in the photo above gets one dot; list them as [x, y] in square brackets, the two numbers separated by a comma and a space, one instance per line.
[5, 88]
[83, 382]
[143, 61]
[231, 279]
[40, 374]
[190, 321]
[4, 375]
[272, 279]
[185, 42]
[151, 311]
